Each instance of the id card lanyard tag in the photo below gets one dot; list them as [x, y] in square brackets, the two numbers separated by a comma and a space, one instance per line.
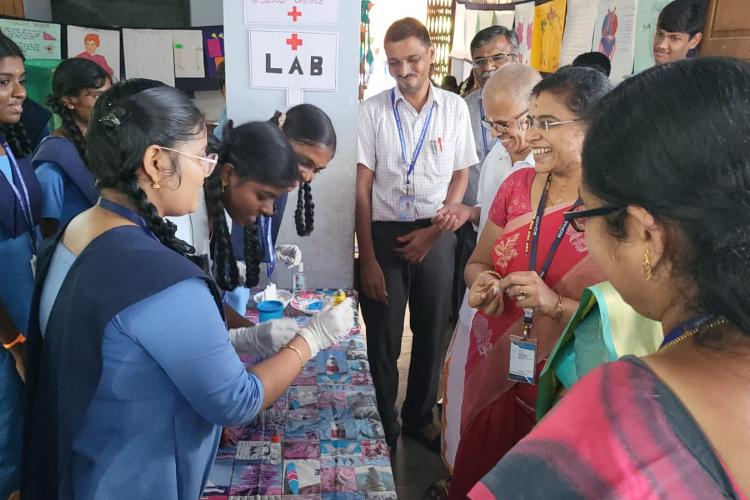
[407, 211]
[522, 366]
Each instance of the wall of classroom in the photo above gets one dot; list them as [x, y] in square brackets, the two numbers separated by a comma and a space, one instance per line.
[38, 9]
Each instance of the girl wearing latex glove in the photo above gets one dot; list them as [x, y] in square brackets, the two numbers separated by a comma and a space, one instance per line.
[263, 339]
[290, 255]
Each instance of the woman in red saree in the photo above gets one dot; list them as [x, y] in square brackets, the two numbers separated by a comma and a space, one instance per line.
[525, 223]
[665, 215]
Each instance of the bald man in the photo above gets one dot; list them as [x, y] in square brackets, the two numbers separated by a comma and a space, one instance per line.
[506, 98]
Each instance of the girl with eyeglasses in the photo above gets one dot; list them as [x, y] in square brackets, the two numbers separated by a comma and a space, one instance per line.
[130, 370]
[60, 160]
[525, 276]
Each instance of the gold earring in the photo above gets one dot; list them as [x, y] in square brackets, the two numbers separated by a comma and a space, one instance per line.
[222, 187]
[156, 185]
[646, 266]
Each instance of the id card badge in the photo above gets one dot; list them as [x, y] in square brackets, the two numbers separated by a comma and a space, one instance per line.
[522, 359]
[406, 209]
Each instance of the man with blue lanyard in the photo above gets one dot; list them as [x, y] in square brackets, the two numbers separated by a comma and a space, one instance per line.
[491, 49]
[415, 147]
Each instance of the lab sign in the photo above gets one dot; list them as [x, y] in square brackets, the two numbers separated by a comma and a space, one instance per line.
[294, 12]
[293, 60]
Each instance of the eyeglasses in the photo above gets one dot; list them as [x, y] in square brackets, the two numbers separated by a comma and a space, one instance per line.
[496, 59]
[208, 162]
[503, 127]
[578, 217]
[545, 124]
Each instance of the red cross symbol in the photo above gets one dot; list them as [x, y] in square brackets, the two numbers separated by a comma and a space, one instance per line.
[294, 41]
[294, 13]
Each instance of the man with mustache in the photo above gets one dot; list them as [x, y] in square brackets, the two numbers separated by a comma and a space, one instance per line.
[415, 147]
[491, 49]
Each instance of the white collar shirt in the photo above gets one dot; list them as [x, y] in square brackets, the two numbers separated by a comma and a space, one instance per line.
[448, 147]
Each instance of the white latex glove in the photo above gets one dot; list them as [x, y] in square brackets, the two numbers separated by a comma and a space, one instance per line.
[328, 327]
[263, 339]
[242, 271]
[290, 255]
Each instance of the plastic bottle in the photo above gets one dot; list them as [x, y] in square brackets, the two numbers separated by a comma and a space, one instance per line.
[298, 280]
[275, 449]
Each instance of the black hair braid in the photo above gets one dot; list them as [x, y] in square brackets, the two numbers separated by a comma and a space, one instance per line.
[304, 215]
[224, 270]
[69, 125]
[17, 139]
[162, 228]
[253, 255]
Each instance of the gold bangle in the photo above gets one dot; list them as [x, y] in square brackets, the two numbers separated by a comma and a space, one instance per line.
[558, 311]
[494, 273]
[18, 340]
[299, 355]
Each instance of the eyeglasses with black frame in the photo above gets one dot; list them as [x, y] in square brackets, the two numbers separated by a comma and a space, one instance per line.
[498, 58]
[577, 217]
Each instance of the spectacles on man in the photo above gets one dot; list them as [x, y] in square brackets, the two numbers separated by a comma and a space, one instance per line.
[546, 124]
[495, 59]
[208, 162]
[578, 217]
[502, 127]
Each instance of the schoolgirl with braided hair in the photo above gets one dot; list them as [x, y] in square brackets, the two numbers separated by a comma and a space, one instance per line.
[20, 202]
[60, 160]
[136, 344]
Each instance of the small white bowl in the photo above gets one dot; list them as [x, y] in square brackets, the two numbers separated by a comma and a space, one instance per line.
[283, 296]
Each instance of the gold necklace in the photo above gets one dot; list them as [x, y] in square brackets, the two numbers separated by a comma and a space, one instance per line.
[693, 332]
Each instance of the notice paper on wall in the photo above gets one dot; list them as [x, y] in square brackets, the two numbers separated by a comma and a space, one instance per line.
[549, 21]
[645, 29]
[188, 54]
[97, 45]
[614, 32]
[579, 29]
[36, 40]
[524, 27]
[149, 54]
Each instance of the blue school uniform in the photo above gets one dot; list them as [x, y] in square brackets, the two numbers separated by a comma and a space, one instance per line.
[130, 336]
[67, 184]
[16, 289]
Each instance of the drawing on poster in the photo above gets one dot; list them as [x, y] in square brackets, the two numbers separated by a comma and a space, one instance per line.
[524, 17]
[549, 19]
[99, 46]
[608, 41]
[614, 36]
[36, 40]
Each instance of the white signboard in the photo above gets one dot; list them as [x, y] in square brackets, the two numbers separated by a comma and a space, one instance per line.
[294, 12]
[293, 60]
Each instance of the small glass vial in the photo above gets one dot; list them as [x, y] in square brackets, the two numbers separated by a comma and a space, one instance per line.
[298, 280]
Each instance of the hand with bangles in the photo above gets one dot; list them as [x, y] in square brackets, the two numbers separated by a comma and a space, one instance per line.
[529, 291]
[486, 293]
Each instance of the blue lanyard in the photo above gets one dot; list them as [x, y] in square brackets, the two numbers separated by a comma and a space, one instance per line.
[265, 229]
[125, 212]
[481, 127]
[400, 128]
[22, 196]
[680, 330]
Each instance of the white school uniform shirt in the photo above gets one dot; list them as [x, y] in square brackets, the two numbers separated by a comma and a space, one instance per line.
[473, 102]
[497, 166]
[448, 147]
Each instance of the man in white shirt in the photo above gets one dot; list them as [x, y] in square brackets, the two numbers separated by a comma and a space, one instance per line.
[506, 101]
[491, 49]
[415, 146]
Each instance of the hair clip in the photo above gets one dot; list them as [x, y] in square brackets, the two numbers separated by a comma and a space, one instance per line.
[281, 120]
[110, 120]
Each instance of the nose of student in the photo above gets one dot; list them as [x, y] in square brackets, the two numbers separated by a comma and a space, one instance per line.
[306, 174]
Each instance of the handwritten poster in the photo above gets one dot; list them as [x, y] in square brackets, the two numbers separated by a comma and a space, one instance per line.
[291, 12]
[149, 54]
[188, 54]
[549, 21]
[524, 27]
[36, 40]
[100, 46]
[645, 28]
[579, 29]
[614, 33]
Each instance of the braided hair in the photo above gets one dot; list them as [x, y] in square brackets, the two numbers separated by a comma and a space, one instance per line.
[127, 119]
[308, 125]
[258, 152]
[14, 133]
[72, 77]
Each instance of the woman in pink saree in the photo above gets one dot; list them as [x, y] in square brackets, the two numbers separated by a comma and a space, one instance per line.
[529, 266]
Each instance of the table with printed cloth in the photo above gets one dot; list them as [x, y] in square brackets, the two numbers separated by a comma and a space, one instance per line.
[323, 439]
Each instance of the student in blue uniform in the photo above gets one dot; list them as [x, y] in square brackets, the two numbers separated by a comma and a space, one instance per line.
[20, 203]
[60, 160]
[127, 334]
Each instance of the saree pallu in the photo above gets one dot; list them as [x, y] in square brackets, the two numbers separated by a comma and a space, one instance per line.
[619, 433]
[497, 412]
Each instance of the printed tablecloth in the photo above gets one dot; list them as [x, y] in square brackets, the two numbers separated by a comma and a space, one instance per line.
[322, 440]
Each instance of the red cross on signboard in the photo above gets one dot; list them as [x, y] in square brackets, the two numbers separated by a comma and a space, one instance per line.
[294, 41]
[294, 13]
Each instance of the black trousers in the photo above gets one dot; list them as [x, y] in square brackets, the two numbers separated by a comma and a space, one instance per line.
[426, 286]
[466, 242]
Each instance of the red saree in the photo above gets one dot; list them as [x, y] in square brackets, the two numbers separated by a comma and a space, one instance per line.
[496, 412]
